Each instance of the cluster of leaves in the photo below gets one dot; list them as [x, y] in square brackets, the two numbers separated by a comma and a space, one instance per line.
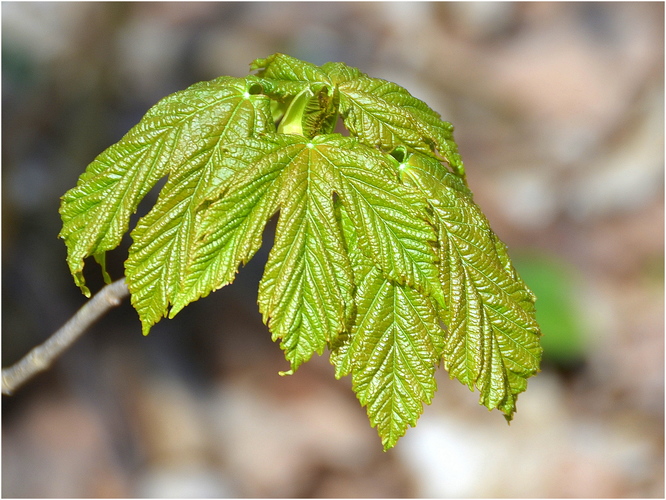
[380, 254]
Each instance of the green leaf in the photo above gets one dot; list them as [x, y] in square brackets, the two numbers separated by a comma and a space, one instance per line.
[287, 76]
[380, 252]
[306, 291]
[390, 220]
[377, 112]
[385, 115]
[283, 67]
[96, 212]
[339, 72]
[305, 294]
[395, 347]
[230, 223]
[493, 337]
[162, 240]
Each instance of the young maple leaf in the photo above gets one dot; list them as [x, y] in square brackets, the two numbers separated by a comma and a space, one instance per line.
[380, 253]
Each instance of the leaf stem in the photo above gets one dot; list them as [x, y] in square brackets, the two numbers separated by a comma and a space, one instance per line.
[41, 357]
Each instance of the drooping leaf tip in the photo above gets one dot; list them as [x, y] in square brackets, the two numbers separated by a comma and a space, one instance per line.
[80, 281]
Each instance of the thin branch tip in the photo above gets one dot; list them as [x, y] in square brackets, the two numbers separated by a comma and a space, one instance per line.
[41, 357]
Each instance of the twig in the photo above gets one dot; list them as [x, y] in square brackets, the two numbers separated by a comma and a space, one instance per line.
[41, 357]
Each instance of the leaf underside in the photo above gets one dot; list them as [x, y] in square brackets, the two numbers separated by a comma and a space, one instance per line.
[380, 255]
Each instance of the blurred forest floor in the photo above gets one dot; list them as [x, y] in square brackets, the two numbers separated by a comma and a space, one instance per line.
[559, 116]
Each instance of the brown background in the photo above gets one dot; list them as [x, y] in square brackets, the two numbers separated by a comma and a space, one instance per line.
[559, 115]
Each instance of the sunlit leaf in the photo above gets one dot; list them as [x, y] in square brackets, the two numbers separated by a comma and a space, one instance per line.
[493, 338]
[380, 253]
